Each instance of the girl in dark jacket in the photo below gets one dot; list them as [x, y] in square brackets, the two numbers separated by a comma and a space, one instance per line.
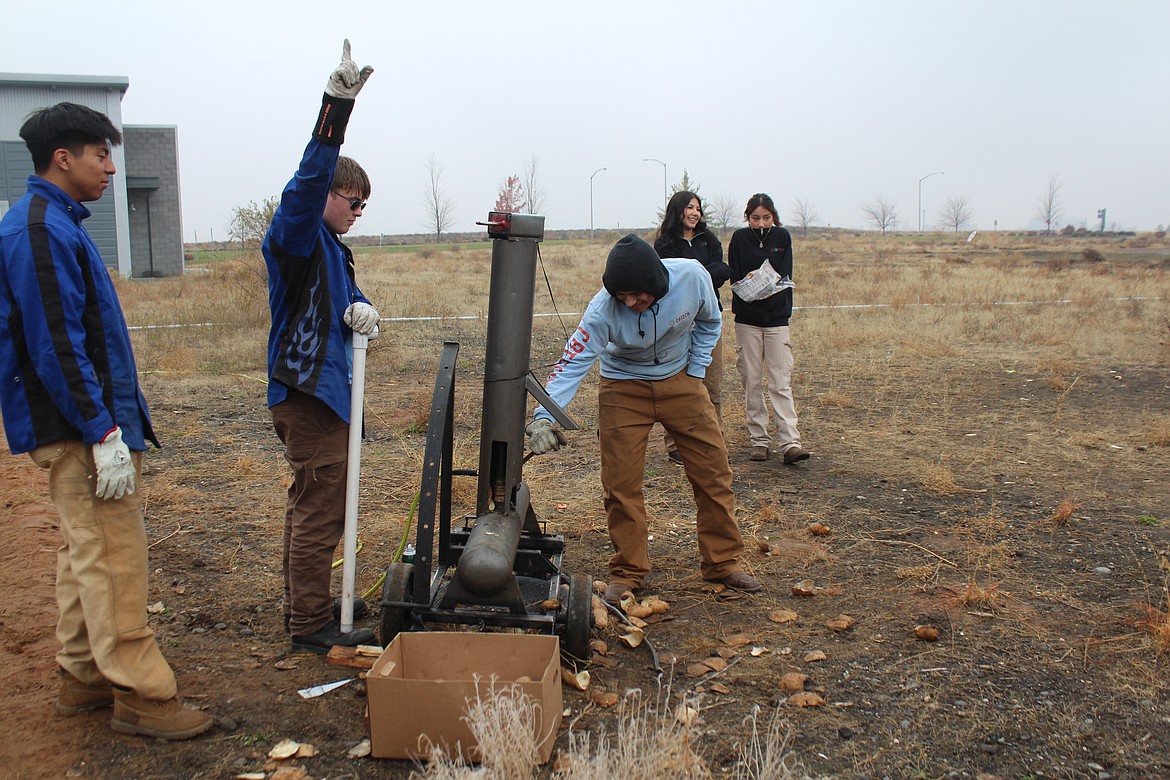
[762, 345]
[685, 234]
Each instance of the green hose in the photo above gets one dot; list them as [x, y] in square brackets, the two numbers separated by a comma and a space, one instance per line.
[401, 546]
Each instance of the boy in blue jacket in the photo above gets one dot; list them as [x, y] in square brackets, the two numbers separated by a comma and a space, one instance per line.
[70, 397]
[316, 307]
[652, 326]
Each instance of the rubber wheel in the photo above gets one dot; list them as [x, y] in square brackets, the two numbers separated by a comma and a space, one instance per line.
[399, 586]
[578, 621]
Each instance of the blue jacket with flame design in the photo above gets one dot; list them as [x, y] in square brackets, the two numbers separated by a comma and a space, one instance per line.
[310, 285]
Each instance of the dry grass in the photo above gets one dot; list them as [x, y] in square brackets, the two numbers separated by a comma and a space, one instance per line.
[651, 740]
[913, 405]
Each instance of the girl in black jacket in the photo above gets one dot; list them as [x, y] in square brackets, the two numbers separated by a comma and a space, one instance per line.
[762, 343]
[685, 234]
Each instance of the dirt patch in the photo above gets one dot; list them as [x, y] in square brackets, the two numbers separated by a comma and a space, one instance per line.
[1042, 670]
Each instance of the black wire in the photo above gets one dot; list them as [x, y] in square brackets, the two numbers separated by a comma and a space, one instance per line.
[551, 296]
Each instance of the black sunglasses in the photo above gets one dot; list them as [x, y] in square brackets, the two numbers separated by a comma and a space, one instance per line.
[354, 203]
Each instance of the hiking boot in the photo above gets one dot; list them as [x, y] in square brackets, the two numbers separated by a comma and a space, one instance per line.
[170, 719]
[615, 590]
[743, 581]
[321, 640]
[77, 697]
[759, 452]
[674, 457]
[795, 455]
[360, 610]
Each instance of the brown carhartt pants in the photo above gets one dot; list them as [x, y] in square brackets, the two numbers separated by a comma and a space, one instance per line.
[627, 409]
[713, 381]
[316, 446]
[102, 578]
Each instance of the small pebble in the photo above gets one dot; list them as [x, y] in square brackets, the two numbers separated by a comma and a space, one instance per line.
[228, 724]
[246, 632]
[220, 626]
[1104, 570]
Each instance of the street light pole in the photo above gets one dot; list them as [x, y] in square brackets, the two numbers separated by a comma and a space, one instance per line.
[924, 178]
[599, 170]
[665, 197]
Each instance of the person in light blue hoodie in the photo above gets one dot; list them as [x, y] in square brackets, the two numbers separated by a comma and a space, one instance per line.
[652, 326]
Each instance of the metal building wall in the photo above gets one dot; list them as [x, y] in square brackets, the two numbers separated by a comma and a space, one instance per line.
[20, 94]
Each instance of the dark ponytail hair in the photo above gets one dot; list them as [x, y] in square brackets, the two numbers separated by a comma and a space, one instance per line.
[761, 199]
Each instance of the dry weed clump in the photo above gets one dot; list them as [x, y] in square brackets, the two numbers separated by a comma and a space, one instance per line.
[837, 399]
[650, 741]
[1157, 432]
[987, 597]
[939, 479]
[1156, 623]
[1063, 511]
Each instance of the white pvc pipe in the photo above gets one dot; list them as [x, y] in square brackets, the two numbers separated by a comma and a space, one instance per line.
[352, 476]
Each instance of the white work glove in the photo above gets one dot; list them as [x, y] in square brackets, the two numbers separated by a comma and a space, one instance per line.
[346, 80]
[361, 318]
[543, 437]
[115, 468]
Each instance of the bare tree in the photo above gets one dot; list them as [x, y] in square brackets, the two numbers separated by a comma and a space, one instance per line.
[804, 213]
[250, 222]
[721, 212]
[511, 196]
[440, 209]
[956, 212]
[532, 187]
[882, 212]
[1049, 207]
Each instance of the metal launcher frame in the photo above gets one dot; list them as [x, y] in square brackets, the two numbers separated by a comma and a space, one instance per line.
[501, 566]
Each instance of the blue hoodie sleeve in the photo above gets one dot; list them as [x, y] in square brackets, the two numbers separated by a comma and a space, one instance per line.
[580, 353]
[708, 325]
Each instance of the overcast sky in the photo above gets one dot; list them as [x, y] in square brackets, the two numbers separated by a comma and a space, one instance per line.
[837, 103]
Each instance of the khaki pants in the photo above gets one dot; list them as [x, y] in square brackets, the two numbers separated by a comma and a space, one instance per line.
[627, 409]
[102, 578]
[760, 352]
[316, 446]
[713, 381]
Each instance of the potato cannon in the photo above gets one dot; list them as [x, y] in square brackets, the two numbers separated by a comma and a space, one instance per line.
[499, 568]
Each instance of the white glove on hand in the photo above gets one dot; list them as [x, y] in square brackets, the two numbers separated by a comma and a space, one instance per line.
[115, 469]
[346, 80]
[361, 318]
[543, 437]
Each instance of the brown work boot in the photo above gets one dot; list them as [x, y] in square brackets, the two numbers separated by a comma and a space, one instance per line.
[616, 590]
[759, 452]
[170, 719]
[795, 455]
[77, 697]
[741, 580]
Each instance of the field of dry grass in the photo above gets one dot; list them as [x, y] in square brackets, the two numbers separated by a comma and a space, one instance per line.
[990, 422]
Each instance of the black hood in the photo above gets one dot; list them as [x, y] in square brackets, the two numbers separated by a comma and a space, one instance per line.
[634, 266]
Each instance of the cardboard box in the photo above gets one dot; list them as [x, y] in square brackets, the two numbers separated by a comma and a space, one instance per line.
[419, 689]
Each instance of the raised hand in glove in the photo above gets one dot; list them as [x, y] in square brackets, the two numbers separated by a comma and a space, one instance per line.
[346, 80]
[543, 437]
[361, 318]
[115, 469]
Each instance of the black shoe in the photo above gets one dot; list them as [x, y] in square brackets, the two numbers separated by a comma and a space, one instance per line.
[321, 640]
[360, 610]
[674, 457]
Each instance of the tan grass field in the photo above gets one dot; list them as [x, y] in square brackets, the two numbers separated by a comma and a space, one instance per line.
[990, 423]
